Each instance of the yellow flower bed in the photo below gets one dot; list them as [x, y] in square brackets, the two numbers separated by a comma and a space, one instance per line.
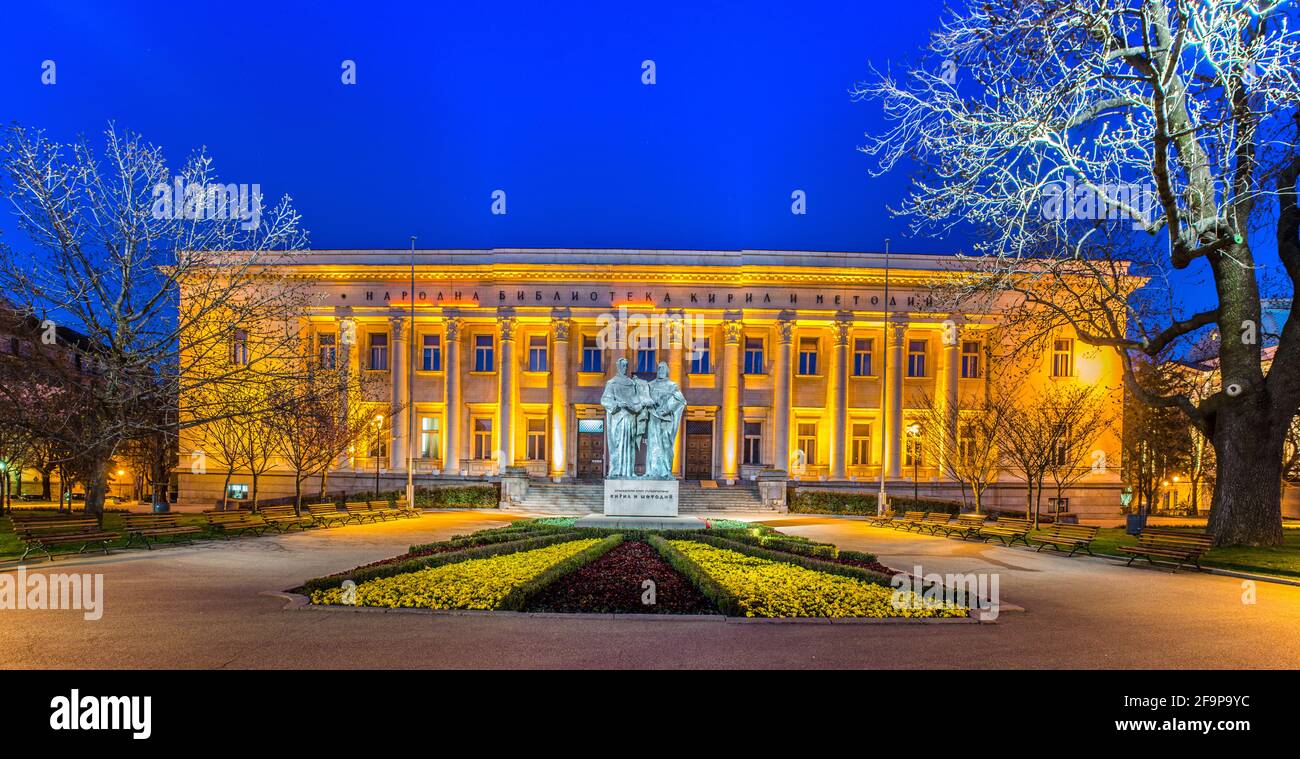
[775, 589]
[472, 584]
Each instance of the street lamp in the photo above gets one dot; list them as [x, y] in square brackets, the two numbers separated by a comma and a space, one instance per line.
[379, 424]
[914, 432]
[884, 372]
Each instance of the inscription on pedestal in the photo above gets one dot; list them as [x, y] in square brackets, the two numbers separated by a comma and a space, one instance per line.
[641, 498]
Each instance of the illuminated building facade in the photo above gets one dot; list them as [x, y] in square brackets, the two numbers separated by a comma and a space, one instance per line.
[789, 361]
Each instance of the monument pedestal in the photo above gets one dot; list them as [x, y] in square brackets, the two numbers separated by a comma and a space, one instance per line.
[641, 498]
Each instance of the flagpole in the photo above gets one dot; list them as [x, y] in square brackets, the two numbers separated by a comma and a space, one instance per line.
[883, 497]
[410, 393]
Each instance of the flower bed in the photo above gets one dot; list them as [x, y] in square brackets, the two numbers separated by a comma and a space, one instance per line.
[497, 582]
[756, 587]
[612, 584]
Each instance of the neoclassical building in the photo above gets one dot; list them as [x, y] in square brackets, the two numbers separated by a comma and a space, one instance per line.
[790, 361]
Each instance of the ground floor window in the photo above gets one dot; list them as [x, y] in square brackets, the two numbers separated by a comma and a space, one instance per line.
[861, 444]
[482, 441]
[806, 442]
[535, 448]
[753, 443]
[914, 451]
[430, 438]
[237, 492]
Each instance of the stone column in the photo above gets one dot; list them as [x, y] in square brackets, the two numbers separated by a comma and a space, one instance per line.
[348, 363]
[675, 328]
[951, 373]
[731, 332]
[560, 369]
[781, 397]
[397, 368]
[506, 389]
[894, 334]
[837, 395]
[451, 394]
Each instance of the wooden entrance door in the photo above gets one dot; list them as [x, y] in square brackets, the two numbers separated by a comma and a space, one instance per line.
[591, 449]
[699, 450]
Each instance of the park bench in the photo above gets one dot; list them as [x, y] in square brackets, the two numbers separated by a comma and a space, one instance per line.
[934, 521]
[1008, 530]
[880, 520]
[909, 520]
[155, 526]
[44, 534]
[965, 526]
[1173, 546]
[326, 514]
[385, 510]
[360, 511]
[1060, 536]
[283, 518]
[237, 522]
[406, 509]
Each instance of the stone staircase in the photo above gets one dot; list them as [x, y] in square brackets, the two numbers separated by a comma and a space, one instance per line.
[570, 498]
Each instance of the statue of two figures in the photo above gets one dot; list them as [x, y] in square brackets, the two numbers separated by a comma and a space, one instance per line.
[636, 411]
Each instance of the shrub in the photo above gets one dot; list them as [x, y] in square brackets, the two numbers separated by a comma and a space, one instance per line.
[524, 592]
[472, 496]
[808, 562]
[809, 501]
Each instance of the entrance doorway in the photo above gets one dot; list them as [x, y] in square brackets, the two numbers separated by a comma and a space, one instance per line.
[699, 450]
[591, 449]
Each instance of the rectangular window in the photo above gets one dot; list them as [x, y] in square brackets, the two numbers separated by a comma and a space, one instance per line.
[808, 356]
[806, 442]
[431, 358]
[535, 447]
[482, 426]
[645, 361]
[484, 360]
[1063, 357]
[701, 358]
[970, 359]
[862, 348]
[916, 358]
[430, 438]
[753, 453]
[592, 356]
[966, 445]
[378, 351]
[537, 353]
[239, 347]
[327, 349]
[754, 355]
[861, 444]
[237, 492]
[376, 443]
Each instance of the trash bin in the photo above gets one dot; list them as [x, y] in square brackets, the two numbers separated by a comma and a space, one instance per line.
[161, 507]
[1135, 523]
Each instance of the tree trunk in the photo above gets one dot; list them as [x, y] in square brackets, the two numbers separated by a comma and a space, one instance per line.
[225, 491]
[1247, 504]
[324, 483]
[45, 484]
[97, 487]
[297, 493]
[254, 492]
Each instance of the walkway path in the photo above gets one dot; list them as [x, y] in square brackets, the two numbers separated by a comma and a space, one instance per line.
[204, 606]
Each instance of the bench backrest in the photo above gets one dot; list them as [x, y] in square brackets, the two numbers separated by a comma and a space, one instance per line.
[1192, 541]
[57, 527]
[380, 504]
[145, 521]
[914, 515]
[1072, 531]
[970, 518]
[278, 511]
[224, 517]
[322, 508]
[938, 516]
[357, 506]
[1012, 522]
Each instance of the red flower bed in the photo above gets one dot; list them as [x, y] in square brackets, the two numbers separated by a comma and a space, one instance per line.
[872, 565]
[613, 584]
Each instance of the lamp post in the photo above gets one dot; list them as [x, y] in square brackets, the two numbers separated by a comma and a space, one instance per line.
[914, 432]
[379, 423]
[410, 392]
[884, 374]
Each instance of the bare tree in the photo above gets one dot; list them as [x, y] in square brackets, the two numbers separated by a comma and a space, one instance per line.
[1078, 416]
[963, 440]
[1056, 123]
[168, 274]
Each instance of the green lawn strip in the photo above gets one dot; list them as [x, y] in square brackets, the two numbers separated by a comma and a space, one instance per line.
[726, 602]
[786, 543]
[435, 560]
[517, 599]
[487, 537]
[12, 547]
[1283, 560]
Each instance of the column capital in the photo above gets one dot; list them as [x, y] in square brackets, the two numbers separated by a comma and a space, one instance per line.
[453, 324]
[785, 327]
[674, 328]
[506, 323]
[347, 331]
[953, 329]
[731, 328]
[895, 332]
[843, 325]
[560, 329]
[398, 323]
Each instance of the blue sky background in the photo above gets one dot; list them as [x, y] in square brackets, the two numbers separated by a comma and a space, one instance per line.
[453, 101]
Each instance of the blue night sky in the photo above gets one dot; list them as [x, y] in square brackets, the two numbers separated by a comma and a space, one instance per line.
[453, 101]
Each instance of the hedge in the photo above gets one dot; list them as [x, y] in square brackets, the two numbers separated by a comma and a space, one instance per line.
[460, 496]
[727, 603]
[487, 538]
[781, 542]
[807, 501]
[519, 597]
[435, 560]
